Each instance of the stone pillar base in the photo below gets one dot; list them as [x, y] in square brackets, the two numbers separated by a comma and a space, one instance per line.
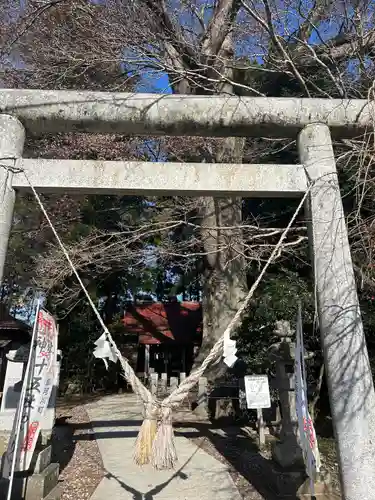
[322, 489]
[288, 454]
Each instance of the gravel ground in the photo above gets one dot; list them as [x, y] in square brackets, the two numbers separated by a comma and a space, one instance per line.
[81, 467]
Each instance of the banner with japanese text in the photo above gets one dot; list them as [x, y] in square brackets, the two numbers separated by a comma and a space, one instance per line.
[39, 385]
[305, 425]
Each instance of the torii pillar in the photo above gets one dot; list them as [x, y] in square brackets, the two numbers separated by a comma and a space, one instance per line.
[349, 378]
[12, 138]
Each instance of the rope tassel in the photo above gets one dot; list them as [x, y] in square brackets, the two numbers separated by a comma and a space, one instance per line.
[164, 455]
[146, 436]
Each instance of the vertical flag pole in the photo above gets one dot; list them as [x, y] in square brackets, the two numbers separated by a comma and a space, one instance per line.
[22, 402]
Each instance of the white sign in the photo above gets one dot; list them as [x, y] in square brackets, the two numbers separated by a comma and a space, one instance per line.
[39, 384]
[257, 391]
[305, 425]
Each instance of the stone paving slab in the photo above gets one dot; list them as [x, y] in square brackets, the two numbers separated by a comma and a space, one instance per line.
[116, 421]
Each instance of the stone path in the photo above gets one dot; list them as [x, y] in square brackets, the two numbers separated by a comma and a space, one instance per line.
[116, 420]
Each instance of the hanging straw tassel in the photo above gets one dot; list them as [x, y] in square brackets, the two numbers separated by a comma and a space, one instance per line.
[164, 455]
[146, 435]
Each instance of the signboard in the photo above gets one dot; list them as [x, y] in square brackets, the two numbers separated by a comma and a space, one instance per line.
[305, 425]
[37, 392]
[257, 391]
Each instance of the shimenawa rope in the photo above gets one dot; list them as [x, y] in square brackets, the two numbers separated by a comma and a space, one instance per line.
[155, 441]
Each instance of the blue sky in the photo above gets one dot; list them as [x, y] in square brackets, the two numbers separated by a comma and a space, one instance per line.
[157, 83]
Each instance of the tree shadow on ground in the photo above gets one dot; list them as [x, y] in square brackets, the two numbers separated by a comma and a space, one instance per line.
[150, 495]
[63, 439]
[241, 452]
[63, 443]
[235, 448]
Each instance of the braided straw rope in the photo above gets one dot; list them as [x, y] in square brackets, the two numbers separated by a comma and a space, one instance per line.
[180, 393]
[162, 456]
[162, 453]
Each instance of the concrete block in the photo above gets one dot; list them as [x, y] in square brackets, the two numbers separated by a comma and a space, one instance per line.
[42, 459]
[40, 485]
[12, 385]
[45, 436]
[55, 494]
[182, 376]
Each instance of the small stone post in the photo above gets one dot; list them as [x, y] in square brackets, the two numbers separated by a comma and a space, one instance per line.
[173, 383]
[261, 429]
[202, 399]
[348, 371]
[287, 451]
[12, 138]
[154, 383]
[147, 361]
[164, 382]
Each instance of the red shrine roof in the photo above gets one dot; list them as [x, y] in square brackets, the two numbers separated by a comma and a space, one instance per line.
[157, 322]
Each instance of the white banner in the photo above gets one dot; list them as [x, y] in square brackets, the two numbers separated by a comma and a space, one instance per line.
[306, 429]
[39, 384]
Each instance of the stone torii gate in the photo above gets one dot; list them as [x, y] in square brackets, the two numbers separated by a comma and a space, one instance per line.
[348, 371]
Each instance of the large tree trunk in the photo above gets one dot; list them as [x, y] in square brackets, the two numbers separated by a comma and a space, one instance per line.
[224, 275]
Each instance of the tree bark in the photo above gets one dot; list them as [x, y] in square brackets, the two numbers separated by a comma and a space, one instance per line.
[224, 275]
[208, 69]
